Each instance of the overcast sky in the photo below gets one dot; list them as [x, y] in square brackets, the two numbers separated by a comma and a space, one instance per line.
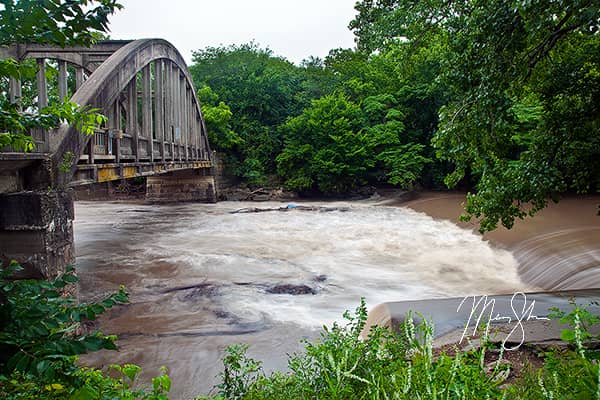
[294, 29]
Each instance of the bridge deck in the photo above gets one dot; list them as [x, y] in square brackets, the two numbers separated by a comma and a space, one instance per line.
[93, 173]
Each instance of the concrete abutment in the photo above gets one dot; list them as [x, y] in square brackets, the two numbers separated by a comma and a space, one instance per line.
[192, 185]
[36, 230]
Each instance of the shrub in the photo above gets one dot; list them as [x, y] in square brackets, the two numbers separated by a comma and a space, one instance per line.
[387, 365]
[41, 335]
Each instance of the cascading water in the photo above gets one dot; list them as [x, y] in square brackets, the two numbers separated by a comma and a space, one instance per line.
[562, 259]
[202, 277]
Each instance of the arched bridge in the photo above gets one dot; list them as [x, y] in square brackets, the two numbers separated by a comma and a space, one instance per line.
[154, 129]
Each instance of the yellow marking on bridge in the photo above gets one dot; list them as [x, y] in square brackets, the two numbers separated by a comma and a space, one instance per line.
[129, 172]
[108, 174]
[202, 164]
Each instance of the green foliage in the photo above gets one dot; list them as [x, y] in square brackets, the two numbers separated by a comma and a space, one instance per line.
[261, 91]
[86, 384]
[387, 140]
[15, 124]
[580, 319]
[39, 325]
[257, 85]
[41, 334]
[385, 365]
[566, 374]
[342, 365]
[65, 165]
[335, 145]
[238, 373]
[217, 116]
[520, 114]
[325, 147]
[54, 22]
[403, 164]
[58, 23]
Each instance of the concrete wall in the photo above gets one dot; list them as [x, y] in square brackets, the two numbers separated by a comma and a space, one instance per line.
[223, 179]
[126, 189]
[188, 185]
[36, 229]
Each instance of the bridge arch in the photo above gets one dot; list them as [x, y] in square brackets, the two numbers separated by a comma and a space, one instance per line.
[84, 60]
[171, 115]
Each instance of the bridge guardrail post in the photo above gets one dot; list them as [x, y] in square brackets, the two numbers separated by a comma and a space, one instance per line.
[90, 148]
[119, 135]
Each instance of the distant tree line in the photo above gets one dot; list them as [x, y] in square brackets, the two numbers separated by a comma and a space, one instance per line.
[501, 97]
[326, 126]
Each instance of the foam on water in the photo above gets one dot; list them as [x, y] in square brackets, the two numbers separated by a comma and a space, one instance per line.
[381, 253]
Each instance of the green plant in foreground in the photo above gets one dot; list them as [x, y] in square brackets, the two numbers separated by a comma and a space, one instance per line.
[41, 335]
[566, 374]
[385, 365]
[238, 373]
[86, 384]
[404, 365]
[39, 327]
[580, 319]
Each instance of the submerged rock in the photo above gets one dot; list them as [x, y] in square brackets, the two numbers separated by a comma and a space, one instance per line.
[289, 207]
[291, 289]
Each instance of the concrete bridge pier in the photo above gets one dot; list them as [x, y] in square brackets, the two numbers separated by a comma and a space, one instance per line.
[36, 230]
[178, 186]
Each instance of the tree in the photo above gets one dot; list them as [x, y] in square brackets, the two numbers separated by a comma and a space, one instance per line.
[521, 115]
[336, 145]
[406, 81]
[218, 118]
[326, 149]
[399, 160]
[54, 22]
[262, 90]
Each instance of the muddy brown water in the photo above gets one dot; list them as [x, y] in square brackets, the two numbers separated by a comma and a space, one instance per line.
[202, 277]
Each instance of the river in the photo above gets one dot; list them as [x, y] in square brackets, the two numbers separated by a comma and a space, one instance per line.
[202, 277]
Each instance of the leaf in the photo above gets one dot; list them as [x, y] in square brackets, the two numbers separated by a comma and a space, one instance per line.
[108, 303]
[121, 298]
[85, 392]
[43, 366]
[94, 343]
[131, 371]
[69, 278]
[19, 362]
[567, 335]
[97, 308]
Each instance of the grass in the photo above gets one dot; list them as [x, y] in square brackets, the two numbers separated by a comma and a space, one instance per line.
[404, 365]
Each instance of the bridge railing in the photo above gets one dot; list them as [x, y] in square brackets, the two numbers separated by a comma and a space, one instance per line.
[73, 66]
[143, 88]
[164, 108]
[114, 146]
